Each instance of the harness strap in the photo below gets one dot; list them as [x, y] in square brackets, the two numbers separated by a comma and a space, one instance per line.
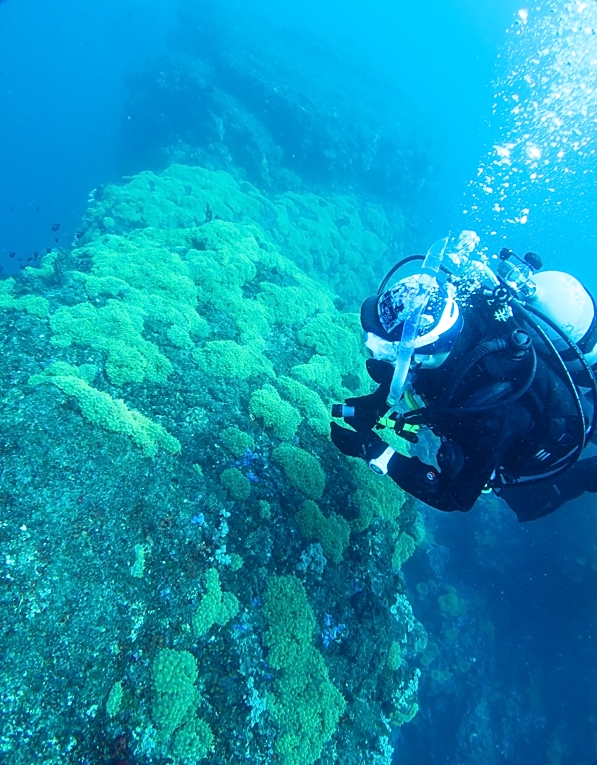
[590, 430]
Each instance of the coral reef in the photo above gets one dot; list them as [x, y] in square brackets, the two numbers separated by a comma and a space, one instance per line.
[337, 238]
[332, 532]
[305, 704]
[190, 563]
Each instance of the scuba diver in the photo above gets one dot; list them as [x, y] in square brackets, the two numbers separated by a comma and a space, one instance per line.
[498, 366]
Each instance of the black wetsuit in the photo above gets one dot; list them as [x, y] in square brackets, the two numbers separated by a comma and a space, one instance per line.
[532, 502]
[493, 424]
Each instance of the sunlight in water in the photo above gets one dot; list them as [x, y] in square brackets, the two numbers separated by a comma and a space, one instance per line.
[544, 117]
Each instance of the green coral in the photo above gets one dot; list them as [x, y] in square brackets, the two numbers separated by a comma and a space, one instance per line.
[402, 717]
[174, 674]
[290, 621]
[328, 337]
[180, 338]
[141, 280]
[236, 562]
[430, 654]
[451, 604]
[302, 469]
[109, 413]
[46, 268]
[487, 627]
[308, 402]
[403, 550]
[138, 568]
[375, 496]
[293, 305]
[193, 742]
[176, 700]
[117, 330]
[216, 607]
[395, 658]
[306, 705]
[322, 373]
[338, 238]
[146, 274]
[186, 321]
[251, 319]
[223, 263]
[228, 359]
[237, 442]
[36, 305]
[236, 484]
[265, 510]
[177, 198]
[277, 414]
[332, 531]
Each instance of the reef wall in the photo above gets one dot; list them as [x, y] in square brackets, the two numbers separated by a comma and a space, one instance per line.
[192, 571]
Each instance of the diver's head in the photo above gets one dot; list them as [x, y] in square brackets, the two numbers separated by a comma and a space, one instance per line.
[383, 317]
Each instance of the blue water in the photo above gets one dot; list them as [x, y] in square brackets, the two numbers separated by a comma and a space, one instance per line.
[64, 69]
[62, 74]
[70, 123]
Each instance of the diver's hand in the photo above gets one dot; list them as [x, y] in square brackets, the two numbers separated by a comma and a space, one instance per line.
[363, 443]
[368, 409]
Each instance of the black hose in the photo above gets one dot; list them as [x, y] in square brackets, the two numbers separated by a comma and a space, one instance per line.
[469, 361]
[382, 287]
[499, 402]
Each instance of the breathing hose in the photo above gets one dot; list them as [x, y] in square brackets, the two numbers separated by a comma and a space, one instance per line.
[487, 348]
[469, 361]
[418, 303]
[513, 398]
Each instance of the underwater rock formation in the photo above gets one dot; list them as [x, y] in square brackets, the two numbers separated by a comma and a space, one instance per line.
[191, 569]
[281, 107]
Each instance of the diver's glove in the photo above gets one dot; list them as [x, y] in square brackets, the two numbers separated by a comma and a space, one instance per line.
[364, 412]
[363, 443]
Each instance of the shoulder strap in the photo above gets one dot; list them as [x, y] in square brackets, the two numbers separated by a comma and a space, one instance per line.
[532, 314]
[584, 426]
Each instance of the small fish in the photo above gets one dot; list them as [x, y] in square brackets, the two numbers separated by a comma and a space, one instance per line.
[11, 254]
[55, 226]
